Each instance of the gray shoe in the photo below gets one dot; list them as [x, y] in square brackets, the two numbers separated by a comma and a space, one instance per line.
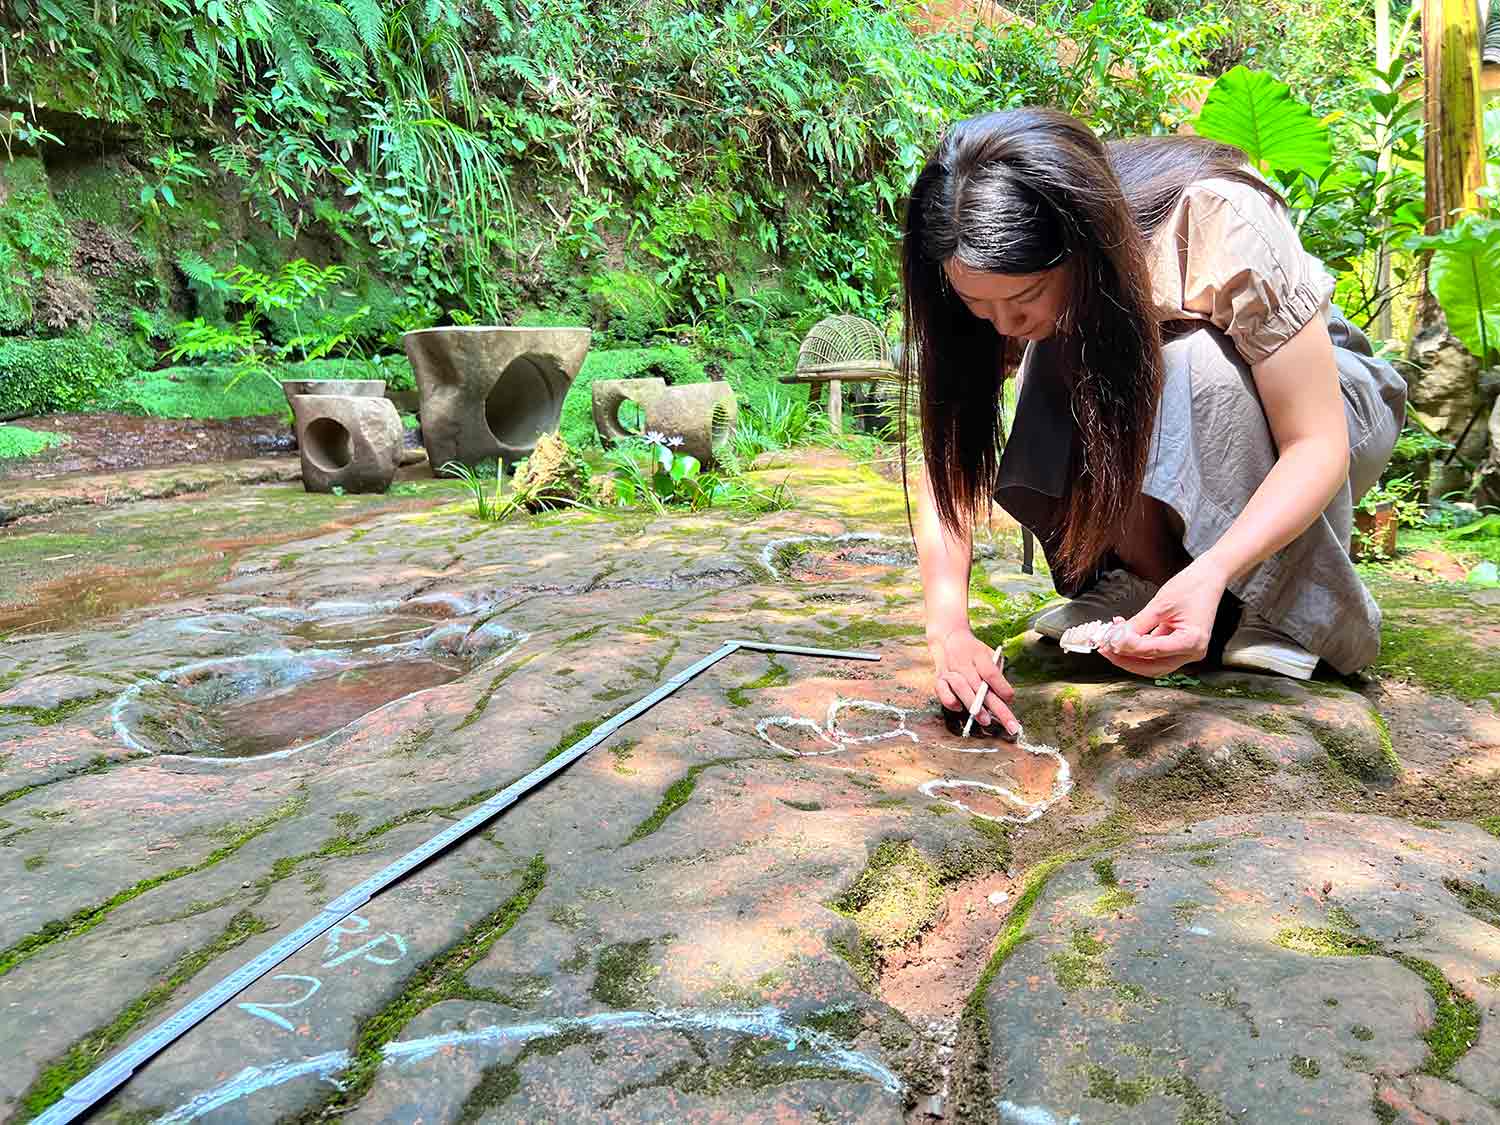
[1258, 647]
[1118, 593]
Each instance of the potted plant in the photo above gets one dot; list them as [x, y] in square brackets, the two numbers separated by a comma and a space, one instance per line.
[1380, 513]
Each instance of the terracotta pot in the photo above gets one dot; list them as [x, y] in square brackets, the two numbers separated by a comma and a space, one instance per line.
[1377, 532]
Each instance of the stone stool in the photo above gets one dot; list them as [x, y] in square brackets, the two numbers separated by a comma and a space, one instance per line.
[350, 442]
[490, 392]
[347, 388]
[611, 394]
[702, 414]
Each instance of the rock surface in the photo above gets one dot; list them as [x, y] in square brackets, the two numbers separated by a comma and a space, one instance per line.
[786, 892]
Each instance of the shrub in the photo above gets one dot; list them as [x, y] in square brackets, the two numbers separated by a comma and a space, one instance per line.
[48, 376]
[17, 441]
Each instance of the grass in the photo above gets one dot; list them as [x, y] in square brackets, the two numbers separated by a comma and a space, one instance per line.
[203, 391]
[87, 1052]
[17, 442]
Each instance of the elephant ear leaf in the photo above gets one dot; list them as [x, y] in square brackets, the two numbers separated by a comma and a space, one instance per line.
[1258, 115]
[1464, 276]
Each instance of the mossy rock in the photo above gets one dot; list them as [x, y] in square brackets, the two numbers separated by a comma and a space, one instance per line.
[896, 897]
[553, 476]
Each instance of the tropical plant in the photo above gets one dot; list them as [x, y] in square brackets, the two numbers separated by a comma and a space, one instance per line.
[244, 343]
[1258, 115]
[1464, 275]
[651, 473]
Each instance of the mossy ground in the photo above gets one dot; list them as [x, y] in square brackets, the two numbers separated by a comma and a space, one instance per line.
[19, 441]
[85, 1054]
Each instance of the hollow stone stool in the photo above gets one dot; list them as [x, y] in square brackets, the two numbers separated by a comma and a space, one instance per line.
[347, 441]
[611, 394]
[490, 391]
[347, 388]
[702, 414]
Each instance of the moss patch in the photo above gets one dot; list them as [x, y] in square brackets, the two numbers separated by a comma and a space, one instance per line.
[1319, 942]
[624, 973]
[441, 977]
[1304, 1066]
[1107, 1086]
[83, 920]
[774, 676]
[843, 1022]
[677, 795]
[499, 1081]
[494, 685]
[86, 1053]
[1455, 1023]
[1439, 657]
[894, 899]
[1079, 966]
[1479, 901]
[50, 716]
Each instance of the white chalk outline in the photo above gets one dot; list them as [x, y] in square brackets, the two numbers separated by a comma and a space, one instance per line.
[763, 1023]
[839, 741]
[167, 676]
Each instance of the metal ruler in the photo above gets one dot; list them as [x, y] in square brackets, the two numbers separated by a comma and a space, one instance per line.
[84, 1094]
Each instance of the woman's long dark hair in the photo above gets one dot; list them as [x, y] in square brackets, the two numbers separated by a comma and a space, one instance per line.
[1020, 192]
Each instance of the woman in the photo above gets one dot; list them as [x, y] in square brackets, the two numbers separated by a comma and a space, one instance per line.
[1194, 422]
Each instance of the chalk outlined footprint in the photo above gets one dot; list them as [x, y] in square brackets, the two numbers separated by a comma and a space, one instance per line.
[837, 740]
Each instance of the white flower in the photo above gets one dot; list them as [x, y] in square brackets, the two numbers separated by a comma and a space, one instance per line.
[655, 438]
[674, 442]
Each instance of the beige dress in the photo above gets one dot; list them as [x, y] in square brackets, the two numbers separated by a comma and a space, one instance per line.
[1231, 284]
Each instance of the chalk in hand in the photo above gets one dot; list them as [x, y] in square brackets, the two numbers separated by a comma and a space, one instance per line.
[998, 660]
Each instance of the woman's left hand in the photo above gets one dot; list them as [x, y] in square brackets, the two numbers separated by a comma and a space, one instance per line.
[1174, 628]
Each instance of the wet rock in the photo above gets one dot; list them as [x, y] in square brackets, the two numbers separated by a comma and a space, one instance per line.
[1273, 966]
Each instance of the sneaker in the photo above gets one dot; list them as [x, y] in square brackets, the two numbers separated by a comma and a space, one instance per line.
[1257, 646]
[1118, 593]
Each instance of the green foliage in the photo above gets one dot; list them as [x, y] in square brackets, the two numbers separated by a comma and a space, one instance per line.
[1404, 494]
[777, 419]
[1258, 114]
[33, 238]
[49, 376]
[243, 343]
[651, 474]
[1464, 275]
[204, 391]
[17, 442]
[712, 144]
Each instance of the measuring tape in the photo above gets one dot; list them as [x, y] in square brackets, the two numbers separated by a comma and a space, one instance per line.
[84, 1094]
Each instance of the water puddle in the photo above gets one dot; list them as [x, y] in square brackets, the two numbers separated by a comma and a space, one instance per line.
[328, 670]
[843, 558]
[293, 717]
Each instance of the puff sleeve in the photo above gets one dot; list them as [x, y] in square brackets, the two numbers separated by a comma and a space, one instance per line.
[1229, 254]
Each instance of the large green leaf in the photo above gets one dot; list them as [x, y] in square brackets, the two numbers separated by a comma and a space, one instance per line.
[1254, 112]
[1464, 276]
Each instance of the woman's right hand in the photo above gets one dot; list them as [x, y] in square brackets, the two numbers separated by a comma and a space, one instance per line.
[962, 662]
